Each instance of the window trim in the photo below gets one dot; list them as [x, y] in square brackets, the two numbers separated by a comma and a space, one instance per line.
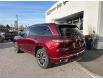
[50, 30]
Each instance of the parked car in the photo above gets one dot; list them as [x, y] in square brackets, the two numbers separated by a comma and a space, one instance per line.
[51, 43]
[10, 35]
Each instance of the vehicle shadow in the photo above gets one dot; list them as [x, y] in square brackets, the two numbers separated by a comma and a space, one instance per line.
[6, 45]
[91, 55]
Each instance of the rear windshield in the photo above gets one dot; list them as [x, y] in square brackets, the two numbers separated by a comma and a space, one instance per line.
[68, 30]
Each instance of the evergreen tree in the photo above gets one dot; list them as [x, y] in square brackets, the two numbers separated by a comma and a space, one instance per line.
[7, 26]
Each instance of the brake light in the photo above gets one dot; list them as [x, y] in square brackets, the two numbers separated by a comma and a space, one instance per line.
[57, 41]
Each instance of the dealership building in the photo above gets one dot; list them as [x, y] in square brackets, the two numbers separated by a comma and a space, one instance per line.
[87, 15]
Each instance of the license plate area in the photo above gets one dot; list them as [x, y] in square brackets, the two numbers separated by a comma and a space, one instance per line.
[76, 45]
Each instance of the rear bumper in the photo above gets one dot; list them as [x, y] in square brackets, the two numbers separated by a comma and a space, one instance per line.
[55, 60]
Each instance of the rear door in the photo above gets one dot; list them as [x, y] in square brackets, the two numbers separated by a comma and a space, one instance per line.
[29, 40]
[38, 35]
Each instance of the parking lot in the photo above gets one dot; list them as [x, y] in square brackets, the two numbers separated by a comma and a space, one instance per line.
[24, 65]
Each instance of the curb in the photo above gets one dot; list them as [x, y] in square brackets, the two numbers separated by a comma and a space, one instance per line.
[93, 75]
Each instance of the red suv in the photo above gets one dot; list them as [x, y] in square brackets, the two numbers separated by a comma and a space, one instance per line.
[51, 43]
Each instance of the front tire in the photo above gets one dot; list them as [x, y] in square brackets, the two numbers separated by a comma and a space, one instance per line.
[43, 59]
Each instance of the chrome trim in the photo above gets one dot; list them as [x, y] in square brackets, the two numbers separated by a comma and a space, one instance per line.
[71, 55]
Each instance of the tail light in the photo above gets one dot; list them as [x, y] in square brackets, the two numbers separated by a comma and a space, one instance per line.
[57, 43]
[61, 41]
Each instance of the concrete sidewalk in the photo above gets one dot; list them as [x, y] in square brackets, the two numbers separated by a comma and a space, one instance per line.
[93, 61]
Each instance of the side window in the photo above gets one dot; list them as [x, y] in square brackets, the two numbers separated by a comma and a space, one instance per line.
[40, 31]
[34, 31]
[46, 31]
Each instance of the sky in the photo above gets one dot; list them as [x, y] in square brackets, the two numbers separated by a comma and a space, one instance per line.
[29, 12]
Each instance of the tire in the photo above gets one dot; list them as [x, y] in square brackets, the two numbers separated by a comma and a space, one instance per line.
[43, 59]
[11, 40]
[17, 50]
[1, 39]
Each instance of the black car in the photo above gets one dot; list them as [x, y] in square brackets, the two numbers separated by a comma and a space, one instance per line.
[10, 35]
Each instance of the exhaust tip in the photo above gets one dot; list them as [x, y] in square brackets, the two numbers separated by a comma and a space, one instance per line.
[63, 60]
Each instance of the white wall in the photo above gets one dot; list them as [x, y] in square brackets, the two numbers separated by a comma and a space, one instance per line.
[100, 29]
[90, 9]
[100, 26]
[90, 20]
[70, 8]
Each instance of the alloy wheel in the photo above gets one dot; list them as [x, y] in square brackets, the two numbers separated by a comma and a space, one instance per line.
[41, 58]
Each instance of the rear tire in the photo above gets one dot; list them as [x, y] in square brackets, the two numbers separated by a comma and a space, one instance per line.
[43, 59]
[17, 50]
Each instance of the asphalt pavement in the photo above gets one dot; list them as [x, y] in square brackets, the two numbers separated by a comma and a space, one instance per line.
[92, 60]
